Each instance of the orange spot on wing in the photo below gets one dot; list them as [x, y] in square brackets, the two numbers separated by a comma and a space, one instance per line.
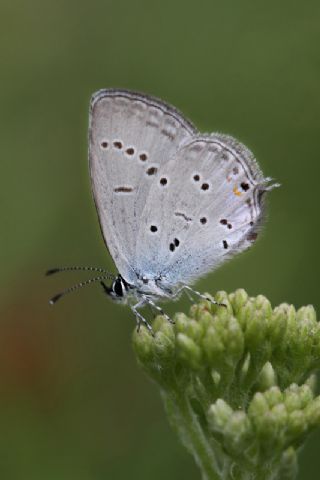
[236, 191]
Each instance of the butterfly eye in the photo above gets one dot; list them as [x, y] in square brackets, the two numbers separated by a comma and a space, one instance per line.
[117, 287]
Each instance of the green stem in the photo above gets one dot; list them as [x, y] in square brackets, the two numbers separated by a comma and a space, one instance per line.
[186, 422]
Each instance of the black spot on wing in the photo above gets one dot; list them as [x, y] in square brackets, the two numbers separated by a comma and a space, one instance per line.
[152, 171]
[123, 190]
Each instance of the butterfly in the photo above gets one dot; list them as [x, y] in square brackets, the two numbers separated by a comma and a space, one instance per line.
[173, 203]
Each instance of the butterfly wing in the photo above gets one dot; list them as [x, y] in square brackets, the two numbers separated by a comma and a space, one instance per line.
[210, 208]
[130, 137]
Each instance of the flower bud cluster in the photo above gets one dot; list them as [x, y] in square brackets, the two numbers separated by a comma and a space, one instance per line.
[241, 375]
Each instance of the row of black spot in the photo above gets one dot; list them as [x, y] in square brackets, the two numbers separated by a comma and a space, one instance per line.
[203, 221]
[204, 186]
[224, 221]
[119, 146]
[172, 246]
[152, 171]
[143, 156]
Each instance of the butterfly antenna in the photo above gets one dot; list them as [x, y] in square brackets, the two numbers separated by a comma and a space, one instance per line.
[76, 287]
[51, 271]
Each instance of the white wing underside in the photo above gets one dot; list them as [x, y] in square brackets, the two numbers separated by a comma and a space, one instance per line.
[160, 188]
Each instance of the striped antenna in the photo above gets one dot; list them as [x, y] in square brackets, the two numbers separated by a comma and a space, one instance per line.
[76, 287]
[51, 271]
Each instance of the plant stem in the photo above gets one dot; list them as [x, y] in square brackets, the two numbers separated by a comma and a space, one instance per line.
[186, 422]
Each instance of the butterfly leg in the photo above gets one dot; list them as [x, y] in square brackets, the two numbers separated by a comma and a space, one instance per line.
[140, 319]
[158, 309]
[188, 290]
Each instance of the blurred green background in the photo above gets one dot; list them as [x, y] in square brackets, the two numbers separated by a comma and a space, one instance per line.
[73, 403]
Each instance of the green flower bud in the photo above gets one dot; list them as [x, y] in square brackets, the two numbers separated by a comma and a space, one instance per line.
[238, 299]
[194, 330]
[213, 347]
[263, 304]
[161, 324]
[267, 429]
[297, 424]
[292, 399]
[219, 415]
[267, 377]
[164, 348]
[273, 396]
[245, 313]
[181, 322]
[143, 345]
[234, 339]
[277, 325]
[256, 328]
[188, 351]
[221, 298]
[280, 415]
[258, 406]
[238, 433]
[307, 313]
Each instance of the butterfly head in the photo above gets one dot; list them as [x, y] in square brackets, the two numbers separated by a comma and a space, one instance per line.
[119, 289]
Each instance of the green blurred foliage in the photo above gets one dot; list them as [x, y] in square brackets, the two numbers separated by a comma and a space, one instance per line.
[73, 404]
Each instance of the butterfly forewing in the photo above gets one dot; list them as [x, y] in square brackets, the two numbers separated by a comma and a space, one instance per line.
[209, 208]
[131, 137]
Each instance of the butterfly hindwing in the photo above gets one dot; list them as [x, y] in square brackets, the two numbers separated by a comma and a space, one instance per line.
[209, 208]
